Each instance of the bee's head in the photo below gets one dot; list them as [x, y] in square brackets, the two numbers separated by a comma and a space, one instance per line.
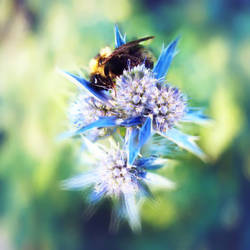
[95, 64]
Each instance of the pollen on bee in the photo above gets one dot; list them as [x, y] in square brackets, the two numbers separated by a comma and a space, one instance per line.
[93, 65]
[105, 52]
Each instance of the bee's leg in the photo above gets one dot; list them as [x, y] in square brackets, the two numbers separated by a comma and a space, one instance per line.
[133, 61]
[129, 64]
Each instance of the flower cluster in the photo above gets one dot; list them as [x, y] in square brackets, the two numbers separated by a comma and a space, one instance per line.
[140, 94]
[144, 103]
[85, 110]
[118, 176]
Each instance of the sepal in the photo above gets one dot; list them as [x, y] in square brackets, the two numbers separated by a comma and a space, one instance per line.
[80, 181]
[119, 39]
[195, 115]
[82, 83]
[158, 181]
[137, 138]
[185, 141]
[164, 61]
[132, 212]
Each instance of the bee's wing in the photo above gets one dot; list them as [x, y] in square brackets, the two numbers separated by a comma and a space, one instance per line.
[135, 42]
[126, 46]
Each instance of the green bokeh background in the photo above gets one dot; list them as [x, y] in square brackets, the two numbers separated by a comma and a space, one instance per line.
[210, 208]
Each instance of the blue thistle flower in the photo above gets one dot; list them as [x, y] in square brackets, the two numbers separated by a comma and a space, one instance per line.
[139, 93]
[143, 96]
[85, 110]
[121, 175]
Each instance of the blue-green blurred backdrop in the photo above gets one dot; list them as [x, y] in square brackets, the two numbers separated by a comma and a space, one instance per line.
[211, 207]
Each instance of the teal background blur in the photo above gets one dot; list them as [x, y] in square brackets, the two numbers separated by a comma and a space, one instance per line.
[210, 208]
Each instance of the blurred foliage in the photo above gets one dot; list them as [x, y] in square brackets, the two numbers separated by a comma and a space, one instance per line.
[210, 208]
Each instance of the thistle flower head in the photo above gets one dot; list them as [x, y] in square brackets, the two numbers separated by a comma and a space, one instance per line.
[139, 93]
[113, 176]
[116, 177]
[168, 107]
[135, 88]
[86, 109]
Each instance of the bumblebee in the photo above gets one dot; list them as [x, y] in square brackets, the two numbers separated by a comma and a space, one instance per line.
[108, 64]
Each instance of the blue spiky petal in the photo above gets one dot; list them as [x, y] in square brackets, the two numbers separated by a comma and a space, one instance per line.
[80, 181]
[145, 132]
[132, 212]
[119, 39]
[184, 141]
[164, 61]
[159, 181]
[150, 163]
[133, 145]
[137, 139]
[82, 83]
[195, 115]
[103, 122]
